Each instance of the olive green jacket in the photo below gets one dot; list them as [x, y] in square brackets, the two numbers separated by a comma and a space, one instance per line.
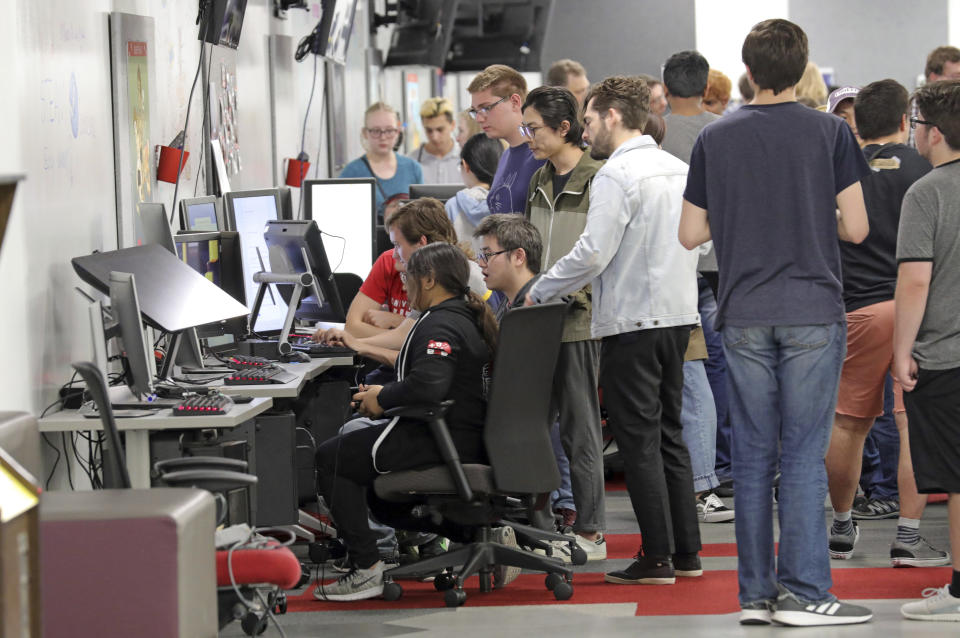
[561, 218]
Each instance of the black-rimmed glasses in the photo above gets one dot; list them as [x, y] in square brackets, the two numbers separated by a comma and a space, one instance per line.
[484, 257]
[484, 110]
[916, 120]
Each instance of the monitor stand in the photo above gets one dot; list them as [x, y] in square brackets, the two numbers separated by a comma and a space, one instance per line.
[300, 282]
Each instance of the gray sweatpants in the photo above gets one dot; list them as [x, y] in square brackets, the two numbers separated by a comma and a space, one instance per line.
[575, 399]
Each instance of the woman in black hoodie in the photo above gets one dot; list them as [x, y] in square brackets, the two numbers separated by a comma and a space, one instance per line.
[445, 356]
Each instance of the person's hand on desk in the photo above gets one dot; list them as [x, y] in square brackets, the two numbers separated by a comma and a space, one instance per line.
[366, 401]
[382, 318]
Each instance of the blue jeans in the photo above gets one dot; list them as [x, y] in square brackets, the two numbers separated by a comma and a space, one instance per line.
[881, 452]
[699, 419]
[563, 497]
[716, 366]
[783, 384]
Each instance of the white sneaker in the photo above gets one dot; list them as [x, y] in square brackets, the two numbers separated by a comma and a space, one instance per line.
[503, 575]
[937, 604]
[710, 509]
[358, 584]
[595, 550]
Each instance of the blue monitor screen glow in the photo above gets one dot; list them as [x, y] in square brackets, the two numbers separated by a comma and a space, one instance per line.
[250, 216]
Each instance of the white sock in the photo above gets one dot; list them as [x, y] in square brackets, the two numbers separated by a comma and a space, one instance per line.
[842, 517]
[912, 523]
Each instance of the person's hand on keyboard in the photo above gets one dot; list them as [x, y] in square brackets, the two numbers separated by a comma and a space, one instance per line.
[330, 335]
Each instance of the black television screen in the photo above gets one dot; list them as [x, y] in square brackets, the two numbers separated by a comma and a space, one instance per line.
[507, 32]
[336, 25]
[223, 22]
[423, 32]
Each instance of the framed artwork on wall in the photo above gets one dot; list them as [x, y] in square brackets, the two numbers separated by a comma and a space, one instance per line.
[132, 59]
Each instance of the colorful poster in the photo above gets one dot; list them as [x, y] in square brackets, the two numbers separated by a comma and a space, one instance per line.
[138, 95]
[413, 112]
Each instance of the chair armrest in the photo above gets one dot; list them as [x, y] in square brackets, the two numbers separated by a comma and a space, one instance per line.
[200, 462]
[433, 415]
[422, 412]
[210, 480]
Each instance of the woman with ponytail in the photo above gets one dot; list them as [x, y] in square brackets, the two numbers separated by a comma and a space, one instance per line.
[445, 356]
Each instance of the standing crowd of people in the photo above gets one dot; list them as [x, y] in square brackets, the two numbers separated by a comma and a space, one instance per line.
[764, 292]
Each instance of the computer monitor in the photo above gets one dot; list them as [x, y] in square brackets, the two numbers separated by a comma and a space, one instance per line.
[125, 308]
[201, 214]
[287, 242]
[247, 213]
[154, 226]
[223, 23]
[443, 192]
[217, 257]
[345, 211]
[336, 25]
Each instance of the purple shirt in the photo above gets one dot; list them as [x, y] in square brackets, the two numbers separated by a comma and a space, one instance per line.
[508, 192]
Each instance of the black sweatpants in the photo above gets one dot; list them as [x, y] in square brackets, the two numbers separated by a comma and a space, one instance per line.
[641, 374]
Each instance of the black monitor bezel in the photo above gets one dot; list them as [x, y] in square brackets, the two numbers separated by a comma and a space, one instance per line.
[229, 213]
[453, 188]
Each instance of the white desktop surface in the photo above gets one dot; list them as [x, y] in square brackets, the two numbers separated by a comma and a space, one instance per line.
[304, 371]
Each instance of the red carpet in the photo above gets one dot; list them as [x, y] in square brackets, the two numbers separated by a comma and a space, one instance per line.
[714, 593]
[627, 545]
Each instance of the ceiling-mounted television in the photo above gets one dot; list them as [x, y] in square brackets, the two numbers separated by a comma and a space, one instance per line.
[423, 33]
[223, 22]
[507, 32]
[334, 29]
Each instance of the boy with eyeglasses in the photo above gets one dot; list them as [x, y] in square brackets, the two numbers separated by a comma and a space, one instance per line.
[558, 202]
[496, 95]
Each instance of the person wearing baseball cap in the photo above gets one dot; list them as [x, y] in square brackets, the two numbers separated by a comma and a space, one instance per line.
[840, 103]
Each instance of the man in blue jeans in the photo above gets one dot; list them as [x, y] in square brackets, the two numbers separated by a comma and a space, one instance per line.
[774, 185]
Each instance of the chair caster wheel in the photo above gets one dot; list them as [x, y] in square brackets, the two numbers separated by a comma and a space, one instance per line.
[552, 580]
[444, 581]
[304, 575]
[392, 591]
[454, 597]
[578, 556]
[280, 605]
[563, 591]
[253, 625]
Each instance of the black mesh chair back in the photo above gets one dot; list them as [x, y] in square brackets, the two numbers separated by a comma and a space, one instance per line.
[115, 474]
[517, 430]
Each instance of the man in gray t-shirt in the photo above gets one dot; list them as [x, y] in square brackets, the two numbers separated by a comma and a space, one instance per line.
[685, 78]
[926, 336]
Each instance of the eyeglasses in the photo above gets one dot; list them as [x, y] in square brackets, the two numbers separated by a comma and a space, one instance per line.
[484, 110]
[382, 132]
[529, 131]
[915, 120]
[485, 257]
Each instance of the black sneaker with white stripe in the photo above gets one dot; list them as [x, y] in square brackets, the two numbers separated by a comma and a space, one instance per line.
[796, 613]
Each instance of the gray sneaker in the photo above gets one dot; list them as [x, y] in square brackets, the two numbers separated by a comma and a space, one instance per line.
[503, 575]
[937, 604]
[919, 554]
[358, 584]
[841, 543]
[756, 613]
[795, 613]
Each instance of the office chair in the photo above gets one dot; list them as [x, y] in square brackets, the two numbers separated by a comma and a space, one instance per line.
[348, 285]
[522, 466]
[274, 568]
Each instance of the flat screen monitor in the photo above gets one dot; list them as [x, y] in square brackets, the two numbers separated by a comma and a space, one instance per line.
[247, 213]
[217, 257]
[287, 242]
[443, 192]
[201, 214]
[154, 226]
[336, 24]
[224, 22]
[125, 308]
[423, 32]
[345, 212]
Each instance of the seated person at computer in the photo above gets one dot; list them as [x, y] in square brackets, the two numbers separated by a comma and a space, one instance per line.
[509, 257]
[421, 222]
[478, 164]
[440, 154]
[393, 172]
[445, 356]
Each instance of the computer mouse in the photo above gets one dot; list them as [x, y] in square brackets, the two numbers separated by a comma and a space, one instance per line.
[298, 357]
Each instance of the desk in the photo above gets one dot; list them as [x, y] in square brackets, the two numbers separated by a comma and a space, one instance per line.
[138, 430]
[304, 371]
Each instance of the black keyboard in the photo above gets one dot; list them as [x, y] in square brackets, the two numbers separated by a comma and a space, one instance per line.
[203, 405]
[243, 362]
[260, 376]
[323, 350]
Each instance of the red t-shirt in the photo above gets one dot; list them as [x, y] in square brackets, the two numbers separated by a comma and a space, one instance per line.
[383, 285]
